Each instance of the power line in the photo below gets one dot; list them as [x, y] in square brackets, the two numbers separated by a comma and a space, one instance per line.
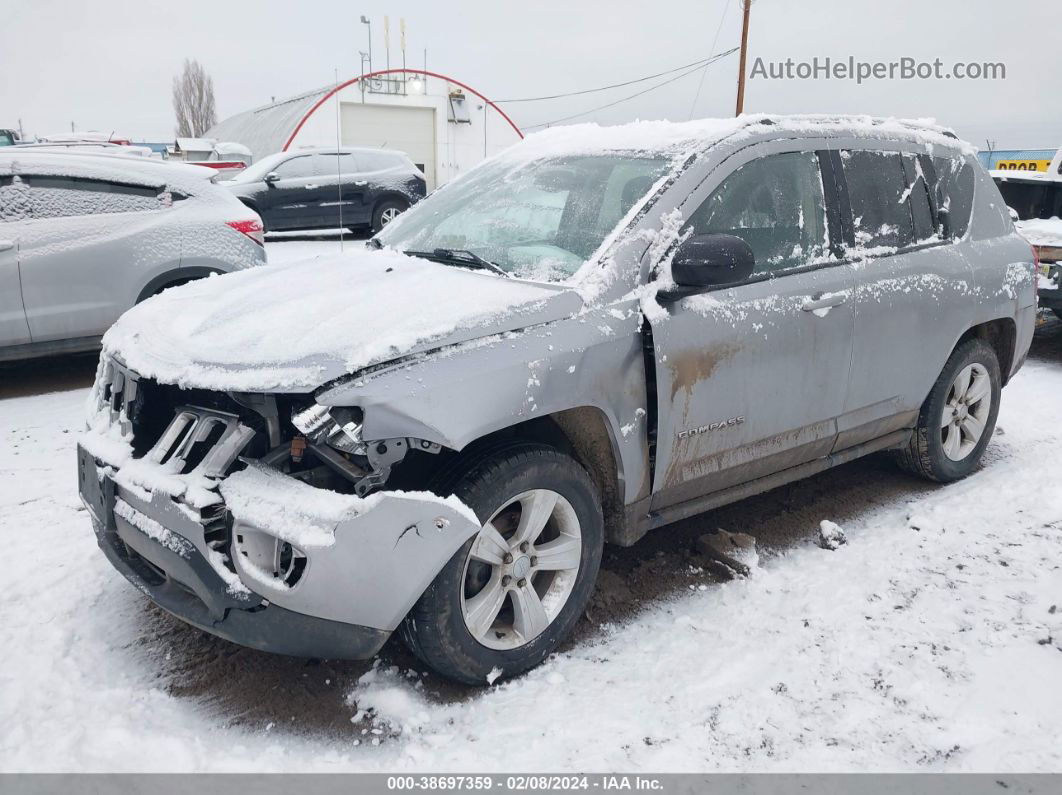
[701, 62]
[700, 83]
[702, 65]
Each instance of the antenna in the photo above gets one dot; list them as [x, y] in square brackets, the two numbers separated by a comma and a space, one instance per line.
[339, 168]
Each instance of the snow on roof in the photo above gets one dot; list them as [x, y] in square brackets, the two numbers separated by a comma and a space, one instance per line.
[196, 144]
[680, 138]
[96, 165]
[231, 148]
[265, 130]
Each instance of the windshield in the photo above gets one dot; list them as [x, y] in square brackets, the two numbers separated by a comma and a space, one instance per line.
[257, 171]
[540, 221]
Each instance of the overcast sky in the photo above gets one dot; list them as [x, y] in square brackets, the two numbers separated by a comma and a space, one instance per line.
[108, 67]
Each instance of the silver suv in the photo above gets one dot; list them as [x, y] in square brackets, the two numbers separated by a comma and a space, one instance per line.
[592, 335]
[83, 237]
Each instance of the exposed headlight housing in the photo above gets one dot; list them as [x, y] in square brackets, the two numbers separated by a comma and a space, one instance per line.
[337, 426]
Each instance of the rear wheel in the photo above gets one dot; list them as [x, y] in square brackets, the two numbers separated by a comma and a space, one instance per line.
[959, 416]
[513, 592]
[387, 211]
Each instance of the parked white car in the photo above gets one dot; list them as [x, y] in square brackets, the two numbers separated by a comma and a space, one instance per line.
[83, 237]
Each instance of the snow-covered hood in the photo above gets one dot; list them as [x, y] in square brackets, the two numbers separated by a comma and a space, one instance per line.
[296, 326]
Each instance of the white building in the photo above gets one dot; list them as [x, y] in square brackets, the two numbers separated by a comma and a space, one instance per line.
[445, 126]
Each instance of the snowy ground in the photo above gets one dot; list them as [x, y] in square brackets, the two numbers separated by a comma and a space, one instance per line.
[932, 640]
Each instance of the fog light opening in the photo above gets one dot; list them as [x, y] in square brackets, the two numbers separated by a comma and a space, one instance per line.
[269, 559]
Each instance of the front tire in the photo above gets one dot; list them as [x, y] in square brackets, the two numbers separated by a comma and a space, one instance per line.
[959, 416]
[513, 593]
[387, 211]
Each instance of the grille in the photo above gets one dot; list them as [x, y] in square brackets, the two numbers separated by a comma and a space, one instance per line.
[201, 441]
[117, 390]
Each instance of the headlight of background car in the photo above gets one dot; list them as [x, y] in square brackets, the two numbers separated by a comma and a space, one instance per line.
[338, 426]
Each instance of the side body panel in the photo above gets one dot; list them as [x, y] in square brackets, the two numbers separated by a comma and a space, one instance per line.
[912, 307]
[14, 330]
[80, 273]
[749, 381]
[470, 390]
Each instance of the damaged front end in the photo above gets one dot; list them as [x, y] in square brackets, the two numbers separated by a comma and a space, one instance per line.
[265, 519]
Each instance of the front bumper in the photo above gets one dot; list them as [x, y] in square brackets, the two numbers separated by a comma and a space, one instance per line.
[352, 595]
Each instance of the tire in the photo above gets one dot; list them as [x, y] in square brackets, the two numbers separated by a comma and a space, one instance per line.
[386, 211]
[945, 446]
[502, 486]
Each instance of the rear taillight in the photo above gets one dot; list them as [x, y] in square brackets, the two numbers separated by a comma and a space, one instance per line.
[253, 229]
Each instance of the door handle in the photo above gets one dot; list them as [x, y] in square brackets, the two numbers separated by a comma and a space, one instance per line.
[823, 301]
[310, 187]
[7, 245]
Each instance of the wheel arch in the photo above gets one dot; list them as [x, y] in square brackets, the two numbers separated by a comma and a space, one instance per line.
[585, 433]
[1001, 335]
[391, 195]
[174, 278]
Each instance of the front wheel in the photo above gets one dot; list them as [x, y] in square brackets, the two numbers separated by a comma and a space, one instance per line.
[387, 211]
[959, 416]
[512, 593]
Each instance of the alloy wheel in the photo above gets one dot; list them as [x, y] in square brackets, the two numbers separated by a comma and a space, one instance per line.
[521, 569]
[966, 411]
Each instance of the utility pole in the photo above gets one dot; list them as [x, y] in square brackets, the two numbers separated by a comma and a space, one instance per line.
[744, 51]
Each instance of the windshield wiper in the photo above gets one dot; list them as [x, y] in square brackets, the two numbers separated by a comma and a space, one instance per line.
[459, 256]
[373, 243]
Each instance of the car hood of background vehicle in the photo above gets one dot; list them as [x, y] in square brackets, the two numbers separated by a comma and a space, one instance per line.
[294, 327]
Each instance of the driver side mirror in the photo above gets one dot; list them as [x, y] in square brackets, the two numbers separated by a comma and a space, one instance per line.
[704, 261]
[271, 177]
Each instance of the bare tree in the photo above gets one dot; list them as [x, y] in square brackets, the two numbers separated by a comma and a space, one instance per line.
[193, 101]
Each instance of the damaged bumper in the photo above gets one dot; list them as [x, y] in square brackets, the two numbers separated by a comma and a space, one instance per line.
[361, 562]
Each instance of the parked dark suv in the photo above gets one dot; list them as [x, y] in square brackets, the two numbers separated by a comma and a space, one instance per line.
[329, 188]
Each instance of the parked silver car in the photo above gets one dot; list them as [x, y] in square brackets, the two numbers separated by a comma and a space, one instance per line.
[83, 237]
[594, 334]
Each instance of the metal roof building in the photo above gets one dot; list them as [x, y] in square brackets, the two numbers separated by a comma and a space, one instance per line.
[445, 126]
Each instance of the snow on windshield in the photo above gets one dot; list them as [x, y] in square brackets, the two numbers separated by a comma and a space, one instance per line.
[541, 221]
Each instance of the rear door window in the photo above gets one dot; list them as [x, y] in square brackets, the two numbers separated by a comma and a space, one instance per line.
[14, 198]
[918, 196]
[65, 197]
[953, 191]
[333, 164]
[776, 205]
[877, 190]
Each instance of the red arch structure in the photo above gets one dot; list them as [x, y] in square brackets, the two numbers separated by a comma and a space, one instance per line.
[423, 72]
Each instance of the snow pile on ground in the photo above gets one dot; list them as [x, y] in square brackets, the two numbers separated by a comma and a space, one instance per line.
[932, 640]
